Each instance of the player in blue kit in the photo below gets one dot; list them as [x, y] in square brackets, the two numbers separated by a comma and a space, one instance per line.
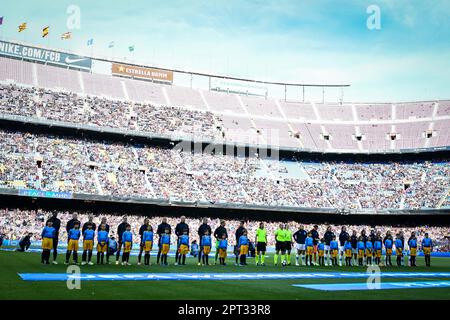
[378, 247]
[321, 252]
[348, 251]
[102, 243]
[309, 244]
[72, 245]
[147, 243]
[361, 251]
[427, 248]
[243, 248]
[88, 244]
[412, 243]
[399, 250]
[223, 246]
[183, 247]
[48, 234]
[127, 239]
[388, 243]
[165, 246]
[334, 248]
[369, 252]
[205, 243]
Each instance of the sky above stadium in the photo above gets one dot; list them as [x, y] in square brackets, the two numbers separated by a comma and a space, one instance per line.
[387, 50]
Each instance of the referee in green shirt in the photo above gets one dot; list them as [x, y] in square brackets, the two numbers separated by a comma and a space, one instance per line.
[261, 244]
[280, 236]
[288, 243]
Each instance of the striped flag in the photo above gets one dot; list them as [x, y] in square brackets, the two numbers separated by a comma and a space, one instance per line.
[23, 26]
[45, 32]
[111, 44]
[66, 35]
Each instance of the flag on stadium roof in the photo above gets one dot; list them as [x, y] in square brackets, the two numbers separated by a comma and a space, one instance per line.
[90, 42]
[45, 32]
[66, 35]
[111, 44]
[131, 48]
[23, 26]
[1, 20]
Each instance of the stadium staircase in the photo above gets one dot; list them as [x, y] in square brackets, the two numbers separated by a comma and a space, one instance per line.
[283, 114]
[97, 183]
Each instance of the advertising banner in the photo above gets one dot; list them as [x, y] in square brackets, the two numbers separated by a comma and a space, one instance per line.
[141, 72]
[44, 55]
[45, 194]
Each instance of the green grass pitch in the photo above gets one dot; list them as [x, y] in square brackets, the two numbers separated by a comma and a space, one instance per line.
[12, 287]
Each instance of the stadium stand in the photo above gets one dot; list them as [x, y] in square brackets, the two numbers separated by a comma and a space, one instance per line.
[54, 163]
[114, 102]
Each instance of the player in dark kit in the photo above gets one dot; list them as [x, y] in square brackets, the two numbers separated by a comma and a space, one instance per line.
[120, 230]
[180, 229]
[300, 237]
[354, 242]
[141, 244]
[239, 232]
[160, 231]
[343, 236]
[328, 237]
[315, 236]
[71, 223]
[56, 223]
[87, 223]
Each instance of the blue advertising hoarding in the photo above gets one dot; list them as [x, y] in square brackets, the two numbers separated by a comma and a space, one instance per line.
[45, 194]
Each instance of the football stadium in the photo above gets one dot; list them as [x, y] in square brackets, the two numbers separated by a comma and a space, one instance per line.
[252, 150]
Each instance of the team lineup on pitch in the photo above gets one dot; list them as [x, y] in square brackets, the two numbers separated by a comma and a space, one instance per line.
[310, 248]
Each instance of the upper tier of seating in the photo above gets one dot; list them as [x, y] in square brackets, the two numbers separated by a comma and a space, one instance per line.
[165, 109]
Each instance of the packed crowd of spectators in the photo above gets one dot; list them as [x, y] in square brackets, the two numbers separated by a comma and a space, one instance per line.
[15, 223]
[55, 163]
[95, 111]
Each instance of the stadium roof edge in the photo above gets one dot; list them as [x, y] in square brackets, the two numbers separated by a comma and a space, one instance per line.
[105, 59]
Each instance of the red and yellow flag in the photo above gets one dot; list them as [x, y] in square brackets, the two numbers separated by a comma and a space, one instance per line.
[22, 27]
[66, 35]
[45, 32]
